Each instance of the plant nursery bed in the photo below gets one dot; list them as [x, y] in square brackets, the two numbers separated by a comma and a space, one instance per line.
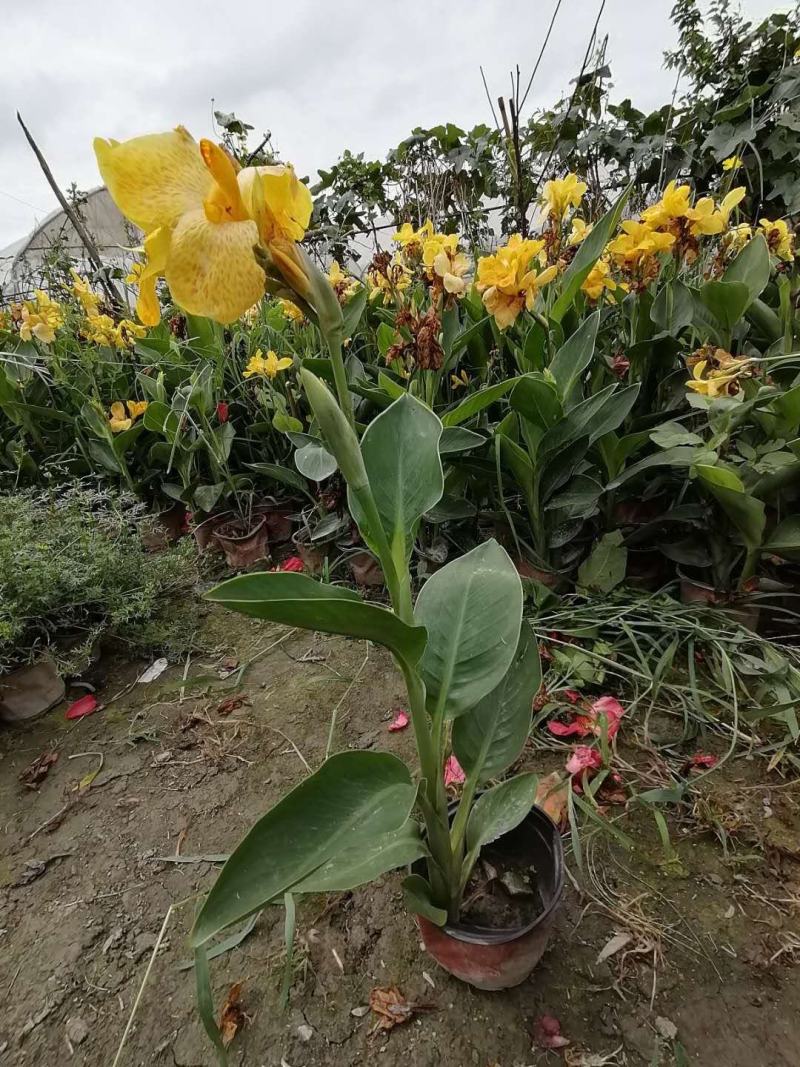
[105, 858]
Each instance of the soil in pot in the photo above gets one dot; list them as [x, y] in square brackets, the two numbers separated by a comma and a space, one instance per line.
[501, 893]
[242, 546]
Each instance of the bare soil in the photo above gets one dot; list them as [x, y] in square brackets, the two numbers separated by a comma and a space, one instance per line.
[707, 944]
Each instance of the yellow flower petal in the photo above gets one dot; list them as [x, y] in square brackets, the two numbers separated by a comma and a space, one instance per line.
[211, 269]
[154, 179]
[156, 246]
[280, 204]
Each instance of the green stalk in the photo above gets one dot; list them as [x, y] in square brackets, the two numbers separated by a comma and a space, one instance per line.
[333, 338]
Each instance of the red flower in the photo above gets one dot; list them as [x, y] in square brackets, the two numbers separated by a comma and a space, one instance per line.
[82, 707]
[222, 411]
[453, 774]
[584, 758]
[400, 721]
[293, 563]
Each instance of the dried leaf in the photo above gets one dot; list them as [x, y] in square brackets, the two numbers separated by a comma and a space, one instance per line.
[232, 703]
[613, 946]
[392, 1008]
[552, 794]
[232, 1018]
[38, 770]
[547, 1033]
[666, 1027]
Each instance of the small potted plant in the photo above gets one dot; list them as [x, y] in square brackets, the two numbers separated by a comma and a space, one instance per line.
[471, 668]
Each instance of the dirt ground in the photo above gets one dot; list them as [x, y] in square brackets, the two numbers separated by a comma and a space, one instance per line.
[704, 970]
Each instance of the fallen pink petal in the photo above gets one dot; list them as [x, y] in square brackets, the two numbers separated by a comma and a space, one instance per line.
[82, 707]
[572, 695]
[453, 774]
[400, 721]
[547, 1033]
[613, 711]
[584, 758]
[580, 726]
[292, 564]
[703, 760]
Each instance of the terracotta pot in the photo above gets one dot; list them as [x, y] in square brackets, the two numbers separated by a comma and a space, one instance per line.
[527, 570]
[313, 556]
[203, 533]
[30, 691]
[365, 569]
[746, 613]
[501, 958]
[279, 523]
[242, 549]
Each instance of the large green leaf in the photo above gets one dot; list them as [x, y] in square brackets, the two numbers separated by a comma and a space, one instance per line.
[587, 255]
[785, 540]
[745, 512]
[500, 809]
[751, 267]
[418, 899]
[574, 357]
[459, 439]
[352, 312]
[315, 462]
[680, 456]
[353, 800]
[297, 600]
[472, 609]
[604, 569]
[673, 308]
[285, 475]
[727, 301]
[366, 860]
[537, 400]
[491, 736]
[401, 453]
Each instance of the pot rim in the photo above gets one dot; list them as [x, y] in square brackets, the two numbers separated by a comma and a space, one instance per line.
[236, 540]
[483, 935]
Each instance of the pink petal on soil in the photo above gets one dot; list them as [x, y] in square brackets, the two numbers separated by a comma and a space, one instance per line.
[400, 721]
[584, 758]
[572, 695]
[613, 711]
[453, 774]
[293, 563]
[579, 726]
[547, 1033]
[82, 707]
[703, 759]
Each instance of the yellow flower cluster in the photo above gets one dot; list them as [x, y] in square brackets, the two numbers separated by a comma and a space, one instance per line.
[779, 238]
[508, 281]
[40, 318]
[99, 329]
[444, 264]
[344, 285]
[268, 366]
[290, 310]
[718, 375]
[84, 294]
[560, 194]
[387, 276]
[118, 421]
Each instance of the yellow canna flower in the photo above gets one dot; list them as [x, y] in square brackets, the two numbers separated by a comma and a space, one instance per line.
[460, 380]
[268, 366]
[89, 300]
[100, 330]
[343, 284]
[560, 194]
[507, 283]
[408, 238]
[136, 408]
[580, 231]
[291, 311]
[387, 276]
[703, 218]
[721, 381]
[779, 238]
[737, 237]
[118, 421]
[442, 261]
[202, 220]
[674, 204]
[638, 241]
[599, 280]
[126, 333]
[732, 163]
[40, 318]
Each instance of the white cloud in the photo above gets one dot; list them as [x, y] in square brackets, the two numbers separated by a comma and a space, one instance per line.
[321, 76]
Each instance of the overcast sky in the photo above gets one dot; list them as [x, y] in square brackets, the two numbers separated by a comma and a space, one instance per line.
[323, 76]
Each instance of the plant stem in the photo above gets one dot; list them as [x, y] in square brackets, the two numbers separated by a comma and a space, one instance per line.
[334, 341]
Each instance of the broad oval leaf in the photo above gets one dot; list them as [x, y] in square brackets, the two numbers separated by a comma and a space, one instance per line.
[315, 462]
[352, 801]
[492, 734]
[297, 600]
[472, 609]
[604, 569]
[476, 402]
[418, 898]
[459, 439]
[500, 810]
[574, 356]
[363, 862]
[751, 267]
[537, 400]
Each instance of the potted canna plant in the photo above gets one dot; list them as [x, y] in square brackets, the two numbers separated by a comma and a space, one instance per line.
[471, 667]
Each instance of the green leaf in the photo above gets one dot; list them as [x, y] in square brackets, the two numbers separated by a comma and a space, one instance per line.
[476, 402]
[283, 422]
[500, 810]
[785, 540]
[206, 496]
[745, 512]
[472, 609]
[605, 567]
[401, 454]
[353, 800]
[537, 400]
[673, 434]
[682, 456]
[490, 737]
[751, 267]
[389, 385]
[673, 308]
[352, 312]
[162, 419]
[589, 251]
[418, 899]
[459, 439]
[574, 356]
[366, 861]
[315, 462]
[727, 301]
[297, 600]
[285, 475]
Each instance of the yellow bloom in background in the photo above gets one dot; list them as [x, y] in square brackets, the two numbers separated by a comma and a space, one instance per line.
[441, 259]
[722, 381]
[202, 219]
[507, 283]
[395, 277]
[674, 204]
[732, 163]
[83, 292]
[579, 232]
[779, 238]
[126, 333]
[344, 285]
[560, 194]
[291, 311]
[40, 318]
[118, 421]
[638, 241]
[460, 380]
[100, 330]
[737, 237]
[407, 237]
[268, 366]
[599, 280]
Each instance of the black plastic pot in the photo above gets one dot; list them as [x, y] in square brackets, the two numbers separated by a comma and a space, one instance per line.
[500, 958]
